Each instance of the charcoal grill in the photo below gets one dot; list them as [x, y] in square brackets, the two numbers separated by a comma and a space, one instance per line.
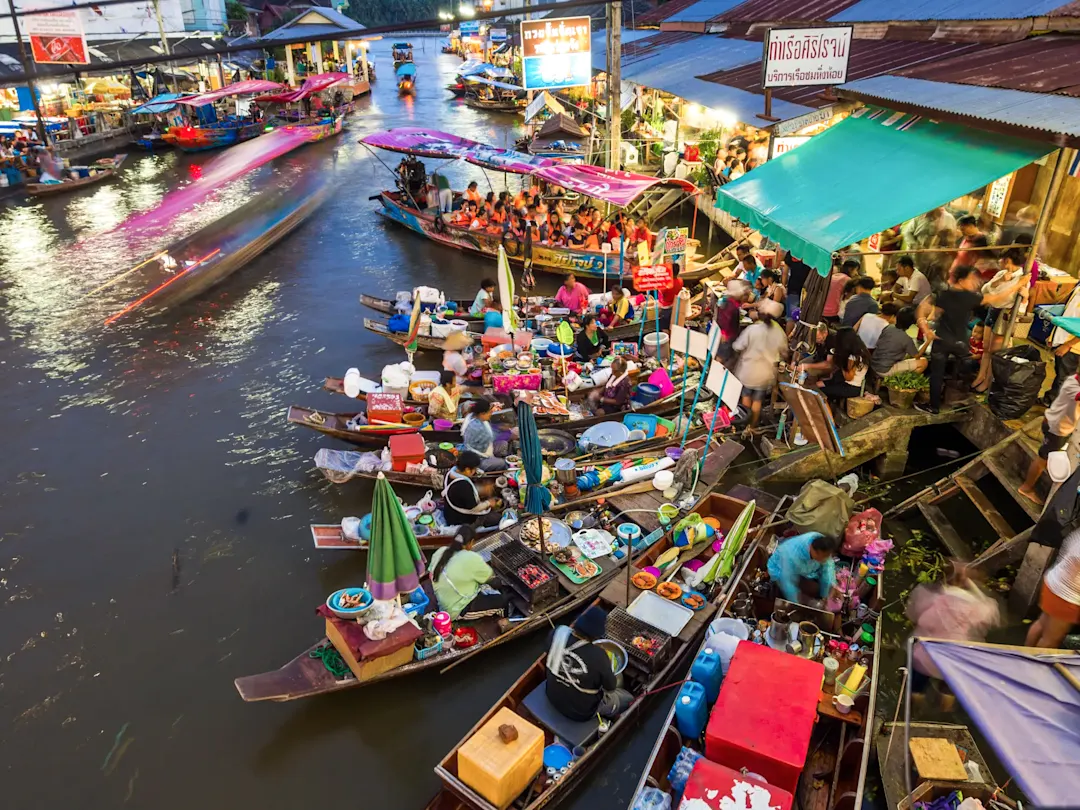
[623, 628]
[509, 557]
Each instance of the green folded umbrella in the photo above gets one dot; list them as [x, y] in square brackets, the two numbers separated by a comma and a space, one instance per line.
[395, 563]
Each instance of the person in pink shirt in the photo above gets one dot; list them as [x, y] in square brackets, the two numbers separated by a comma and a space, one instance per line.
[573, 295]
[839, 277]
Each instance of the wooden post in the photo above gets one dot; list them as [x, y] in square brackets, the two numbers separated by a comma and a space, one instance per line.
[348, 58]
[614, 84]
[291, 70]
[318, 57]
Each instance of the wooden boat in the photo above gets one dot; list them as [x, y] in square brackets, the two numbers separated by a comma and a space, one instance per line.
[334, 424]
[320, 127]
[305, 675]
[626, 332]
[388, 307]
[642, 677]
[101, 170]
[330, 537]
[835, 773]
[506, 105]
[214, 136]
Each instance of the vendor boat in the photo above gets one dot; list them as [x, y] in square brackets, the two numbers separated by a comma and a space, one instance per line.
[149, 122]
[483, 93]
[617, 188]
[87, 176]
[318, 105]
[406, 79]
[307, 676]
[387, 307]
[211, 131]
[834, 775]
[644, 670]
[483, 69]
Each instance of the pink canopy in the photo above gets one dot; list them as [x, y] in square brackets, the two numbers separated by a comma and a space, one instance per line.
[435, 144]
[617, 188]
[234, 89]
[311, 86]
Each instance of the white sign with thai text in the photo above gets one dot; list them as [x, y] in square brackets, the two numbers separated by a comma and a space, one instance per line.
[782, 145]
[806, 56]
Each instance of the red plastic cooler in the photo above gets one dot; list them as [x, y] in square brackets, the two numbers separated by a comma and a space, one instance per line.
[765, 713]
[712, 785]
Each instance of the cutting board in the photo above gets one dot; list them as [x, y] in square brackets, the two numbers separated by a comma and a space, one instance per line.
[937, 759]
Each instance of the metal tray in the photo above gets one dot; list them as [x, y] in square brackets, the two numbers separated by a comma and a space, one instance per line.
[663, 614]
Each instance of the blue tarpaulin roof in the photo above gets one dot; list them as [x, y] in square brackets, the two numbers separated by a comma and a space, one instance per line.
[888, 10]
[1058, 114]
[406, 69]
[806, 201]
[492, 83]
[1026, 708]
[158, 104]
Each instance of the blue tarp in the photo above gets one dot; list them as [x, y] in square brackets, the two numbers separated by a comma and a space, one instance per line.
[1025, 707]
[493, 83]
[158, 104]
[407, 69]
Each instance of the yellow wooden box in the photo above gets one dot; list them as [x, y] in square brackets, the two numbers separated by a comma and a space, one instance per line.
[499, 771]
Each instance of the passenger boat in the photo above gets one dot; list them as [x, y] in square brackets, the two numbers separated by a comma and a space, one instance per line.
[834, 775]
[88, 175]
[191, 266]
[406, 79]
[311, 106]
[149, 122]
[617, 188]
[645, 673]
[484, 93]
[306, 676]
[402, 53]
[211, 131]
[388, 307]
[484, 70]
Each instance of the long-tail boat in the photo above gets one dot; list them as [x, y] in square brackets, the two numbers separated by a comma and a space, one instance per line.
[482, 93]
[422, 216]
[211, 131]
[318, 105]
[647, 670]
[88, 175]
[306, 675]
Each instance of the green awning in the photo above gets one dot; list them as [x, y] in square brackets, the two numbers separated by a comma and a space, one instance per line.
[872, 171]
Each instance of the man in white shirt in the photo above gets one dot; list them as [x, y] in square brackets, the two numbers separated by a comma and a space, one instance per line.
[870, 326]
[917, 286]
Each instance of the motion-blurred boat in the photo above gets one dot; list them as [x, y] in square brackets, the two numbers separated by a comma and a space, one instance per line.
[196, 263]
[87, 175]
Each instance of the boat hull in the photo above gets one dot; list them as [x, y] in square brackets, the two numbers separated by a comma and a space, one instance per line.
[104, 173]
[582, 263]
[201, 139]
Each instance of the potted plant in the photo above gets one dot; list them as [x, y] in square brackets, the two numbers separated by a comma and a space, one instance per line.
[903, 387]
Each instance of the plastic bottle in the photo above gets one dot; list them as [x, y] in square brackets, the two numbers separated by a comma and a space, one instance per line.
[691, 710]
[680, 771]
[652, 798]
[708, 670]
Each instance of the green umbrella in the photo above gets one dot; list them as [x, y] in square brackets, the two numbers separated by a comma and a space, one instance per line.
[395, 563]
[723, 563]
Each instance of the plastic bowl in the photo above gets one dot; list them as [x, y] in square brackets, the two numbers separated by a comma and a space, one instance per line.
[333, 602]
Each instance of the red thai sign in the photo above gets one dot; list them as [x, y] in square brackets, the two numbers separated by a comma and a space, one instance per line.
[655, 277]
[57, 38]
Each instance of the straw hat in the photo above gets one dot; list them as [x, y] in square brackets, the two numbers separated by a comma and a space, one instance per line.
[456, 341]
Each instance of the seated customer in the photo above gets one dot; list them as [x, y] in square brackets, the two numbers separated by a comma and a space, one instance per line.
[802, 568]
[461, 578]
[895, 350]
[861, 302]
[580, 680]
[851, 361]
[464, 506]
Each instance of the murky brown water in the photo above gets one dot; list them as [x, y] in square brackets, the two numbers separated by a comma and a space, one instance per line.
[154, 504]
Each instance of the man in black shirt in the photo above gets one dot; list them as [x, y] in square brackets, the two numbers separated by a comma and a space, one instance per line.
[953, 308]
[796, 272]
[585, 684]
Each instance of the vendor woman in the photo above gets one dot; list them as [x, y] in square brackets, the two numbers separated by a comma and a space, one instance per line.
[802, 569]
[453, 359]
[580, 681]
[479, 437]
[616, 394]
[591, 340]
[461, 580]
[464, 505]
[444, 399]
[483, 299]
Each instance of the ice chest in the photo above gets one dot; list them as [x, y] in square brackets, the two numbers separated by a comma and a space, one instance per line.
[765, 714]
[384, 408]
[406, 448]
[715, 786]
[500, 771]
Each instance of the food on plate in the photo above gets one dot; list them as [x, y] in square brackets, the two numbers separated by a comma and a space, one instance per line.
[351, 600]
[643, 580]
[565, 556]
[669, 590]
[586, 568]
[694, 601]
[530, 533]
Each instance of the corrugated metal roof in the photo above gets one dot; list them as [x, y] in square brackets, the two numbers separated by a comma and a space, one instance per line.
[914, 10]
[1048, 113]
[1038, 65]
[662, 12]
[632, 41]
[703, 11]
[785, 10]
[868, 58]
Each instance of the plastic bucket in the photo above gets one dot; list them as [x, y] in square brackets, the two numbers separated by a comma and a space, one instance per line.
[656, 345]
[413, 419]
[647, 393]
[443, 424]
[540, 346]
[558, 350]
[660, 379]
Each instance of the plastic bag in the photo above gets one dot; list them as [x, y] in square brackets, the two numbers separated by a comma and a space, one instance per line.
[1016, 384]
[821, 507]
[863, 529]
[395, 376]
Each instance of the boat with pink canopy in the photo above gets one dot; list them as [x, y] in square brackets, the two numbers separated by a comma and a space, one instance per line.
[208, 127]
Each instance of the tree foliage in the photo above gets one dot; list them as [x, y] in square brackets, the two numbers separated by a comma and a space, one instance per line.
[385, 12]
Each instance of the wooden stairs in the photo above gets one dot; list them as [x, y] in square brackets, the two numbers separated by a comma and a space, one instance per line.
[1007, 461]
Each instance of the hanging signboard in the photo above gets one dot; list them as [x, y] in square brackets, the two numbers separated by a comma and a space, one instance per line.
[497, 34]
[999, 192]
[799, 57]
[470, 29]
[556, 53]
[57, 38]
[653, 277]
[724, 384]
[675, 241]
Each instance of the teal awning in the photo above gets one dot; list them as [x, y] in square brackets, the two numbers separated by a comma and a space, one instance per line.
[870, 172]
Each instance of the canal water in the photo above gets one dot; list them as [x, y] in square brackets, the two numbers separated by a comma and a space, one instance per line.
[154, 541]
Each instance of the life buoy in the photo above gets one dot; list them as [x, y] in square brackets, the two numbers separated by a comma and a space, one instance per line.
[440, 224]
[511, 244]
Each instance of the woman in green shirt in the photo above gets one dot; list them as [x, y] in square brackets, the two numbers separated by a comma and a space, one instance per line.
[459, 574]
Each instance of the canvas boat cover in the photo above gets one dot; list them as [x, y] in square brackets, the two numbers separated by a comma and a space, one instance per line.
[617, 188]
[237, 89]
[406, 69]
[1026, 707]
[807, 202]
[311, 86]
[158, 104]
[560, 126]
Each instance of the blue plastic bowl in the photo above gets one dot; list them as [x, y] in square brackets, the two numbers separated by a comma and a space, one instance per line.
[558, 350]
[334, 602]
